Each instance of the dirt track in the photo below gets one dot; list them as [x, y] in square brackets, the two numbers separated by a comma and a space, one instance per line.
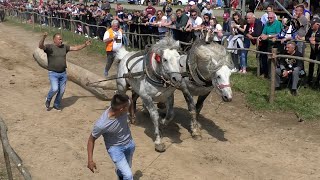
[237, 143]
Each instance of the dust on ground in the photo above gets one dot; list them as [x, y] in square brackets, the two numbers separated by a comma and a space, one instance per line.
[237, 143]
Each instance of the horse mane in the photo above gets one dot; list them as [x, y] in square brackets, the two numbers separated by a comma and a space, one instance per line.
[121, 53]
[204, 54]
[165, 43]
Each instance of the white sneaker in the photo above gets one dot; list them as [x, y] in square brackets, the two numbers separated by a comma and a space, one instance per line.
[234, 70]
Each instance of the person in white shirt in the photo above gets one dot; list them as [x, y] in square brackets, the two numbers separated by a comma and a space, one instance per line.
[216, 29]
[194, 23]
[113, 39]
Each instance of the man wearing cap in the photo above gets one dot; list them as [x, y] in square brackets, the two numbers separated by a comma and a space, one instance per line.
[226, 26]
[113, 39]
[313, 36]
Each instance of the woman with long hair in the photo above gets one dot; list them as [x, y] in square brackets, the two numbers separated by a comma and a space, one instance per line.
[238, 25]
[161, 22]
[216, 30]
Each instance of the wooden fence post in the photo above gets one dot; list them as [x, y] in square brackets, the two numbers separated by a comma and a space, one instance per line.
[273, 60]
[258, 59]
[140, 37]
[33, 23]
[49, 23]
[7, 160]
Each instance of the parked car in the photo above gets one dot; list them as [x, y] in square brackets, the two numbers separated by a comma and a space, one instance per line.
[180, 2]
[118, 1]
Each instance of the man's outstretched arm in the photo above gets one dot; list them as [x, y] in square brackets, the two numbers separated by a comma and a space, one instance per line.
[90, 146]
[81, 46]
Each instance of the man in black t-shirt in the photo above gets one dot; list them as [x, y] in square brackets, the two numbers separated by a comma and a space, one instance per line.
[56, 55]
[290, 67]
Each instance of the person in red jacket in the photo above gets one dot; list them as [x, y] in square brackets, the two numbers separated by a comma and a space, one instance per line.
[150, 9]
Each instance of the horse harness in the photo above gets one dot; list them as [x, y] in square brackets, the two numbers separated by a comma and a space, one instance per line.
[194, 73]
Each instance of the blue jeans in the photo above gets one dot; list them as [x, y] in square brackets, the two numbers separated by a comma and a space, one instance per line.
[122, 158]
[244, 54]
[58, 83]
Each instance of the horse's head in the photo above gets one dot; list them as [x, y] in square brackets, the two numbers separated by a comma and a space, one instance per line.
[168, 60]
[221, 81]
[170, 66]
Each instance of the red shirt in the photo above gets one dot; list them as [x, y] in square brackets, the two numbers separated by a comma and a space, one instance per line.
[151, 10]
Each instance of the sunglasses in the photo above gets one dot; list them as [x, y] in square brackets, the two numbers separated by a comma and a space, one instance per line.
[159, 14]
[193, 15]
[270, 17]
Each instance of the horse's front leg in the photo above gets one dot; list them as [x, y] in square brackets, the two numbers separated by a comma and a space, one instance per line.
[135, 97]
[170, 111]
[195, 127]
[153, 111]
[199, 104]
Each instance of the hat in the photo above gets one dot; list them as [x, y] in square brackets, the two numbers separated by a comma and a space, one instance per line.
[168, 9]
[191, 3]
[315, 20]
[226, 15]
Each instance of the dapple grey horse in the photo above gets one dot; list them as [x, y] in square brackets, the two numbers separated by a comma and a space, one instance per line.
[208, 66]
[158, 82]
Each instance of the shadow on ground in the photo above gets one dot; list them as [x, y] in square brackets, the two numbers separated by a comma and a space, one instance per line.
[69, 101]
[182, 118]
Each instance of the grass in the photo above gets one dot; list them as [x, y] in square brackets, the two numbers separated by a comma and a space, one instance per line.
[68, 37]
[306, 105]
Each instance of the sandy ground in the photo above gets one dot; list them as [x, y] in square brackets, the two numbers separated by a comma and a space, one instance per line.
[237, 143]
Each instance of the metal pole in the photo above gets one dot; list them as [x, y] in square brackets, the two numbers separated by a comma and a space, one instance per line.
[139, 36]
[283, 8]
[243, 9]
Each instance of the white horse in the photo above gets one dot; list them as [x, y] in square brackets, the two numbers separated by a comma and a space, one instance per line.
[160, 77]
[209, 66]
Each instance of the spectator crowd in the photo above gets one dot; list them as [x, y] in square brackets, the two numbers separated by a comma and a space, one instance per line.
[189, 23]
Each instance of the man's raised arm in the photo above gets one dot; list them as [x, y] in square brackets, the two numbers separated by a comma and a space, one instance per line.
[41, 43]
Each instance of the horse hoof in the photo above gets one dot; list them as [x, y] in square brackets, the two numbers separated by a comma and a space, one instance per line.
[197, 137]
[160, 147]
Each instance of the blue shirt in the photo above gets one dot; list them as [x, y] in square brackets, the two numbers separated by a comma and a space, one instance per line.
[115, 132]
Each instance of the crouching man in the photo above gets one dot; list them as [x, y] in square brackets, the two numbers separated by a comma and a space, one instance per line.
[114, 128]
[289, 67]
